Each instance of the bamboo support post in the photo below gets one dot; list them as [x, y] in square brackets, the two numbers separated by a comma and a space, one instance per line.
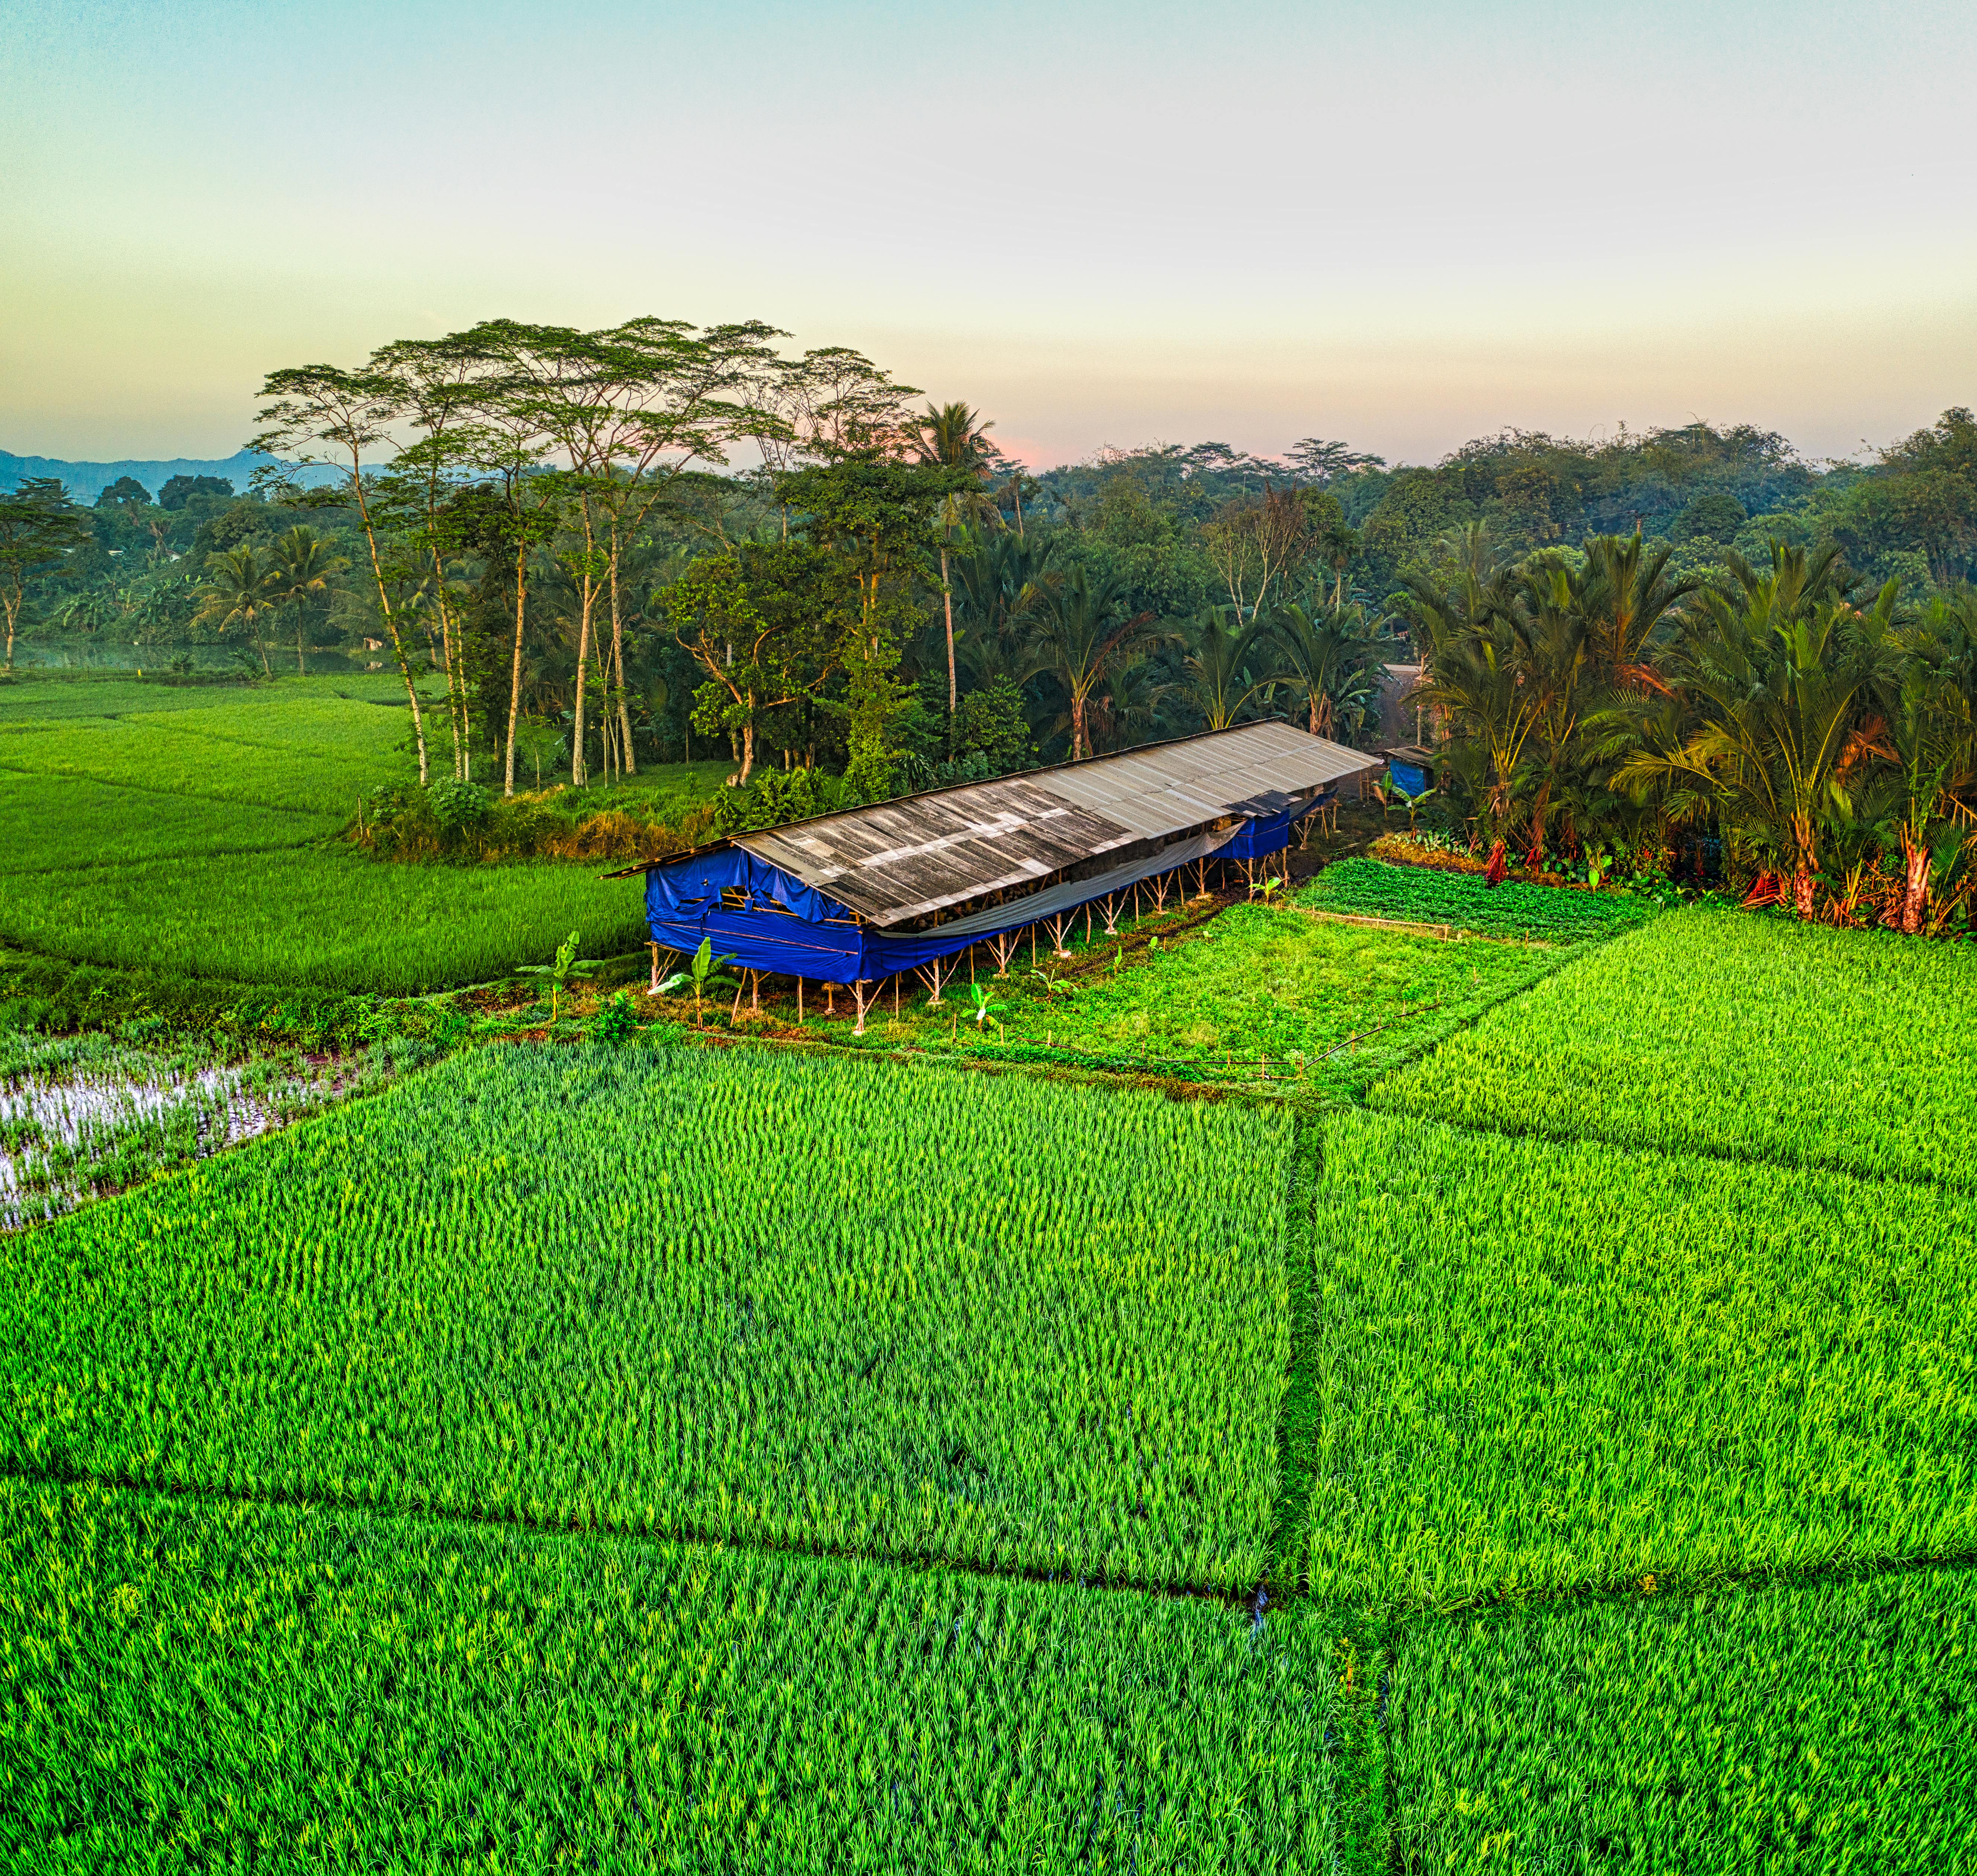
[862, 1000]
[799, 1002]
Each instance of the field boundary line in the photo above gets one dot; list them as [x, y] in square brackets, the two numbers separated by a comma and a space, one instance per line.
[1297, 1417]
[1721, 1156]
[143, 788]
[1455, 934]
[200, 853]
[926, 1562]
[1669, 1585]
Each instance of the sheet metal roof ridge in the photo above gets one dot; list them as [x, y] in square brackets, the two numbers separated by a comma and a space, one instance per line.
[1087, 764]
[1051, 768]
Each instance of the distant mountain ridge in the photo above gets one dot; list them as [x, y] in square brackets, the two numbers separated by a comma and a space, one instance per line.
[85, 481]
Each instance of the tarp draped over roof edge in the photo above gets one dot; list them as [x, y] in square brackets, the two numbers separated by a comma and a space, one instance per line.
[785, 926]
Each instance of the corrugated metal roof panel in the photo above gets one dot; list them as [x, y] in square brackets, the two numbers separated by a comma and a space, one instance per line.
[901, 859]
[905, 859]
[1171, 787]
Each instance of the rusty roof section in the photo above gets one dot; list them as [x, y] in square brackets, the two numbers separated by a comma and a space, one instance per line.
[907, 858]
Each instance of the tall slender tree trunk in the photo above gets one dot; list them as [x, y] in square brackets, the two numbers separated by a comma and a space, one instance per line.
[515, 670]
[947, 600]
[627, 761]
[13, 614]
[390, 621]
[579, 772]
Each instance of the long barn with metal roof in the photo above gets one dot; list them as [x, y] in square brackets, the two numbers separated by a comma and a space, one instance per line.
[859, 896]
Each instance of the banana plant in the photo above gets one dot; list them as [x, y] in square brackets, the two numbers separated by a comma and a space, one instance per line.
[559, 973]
[1267, 890]
[983, 1007]
[704, 972]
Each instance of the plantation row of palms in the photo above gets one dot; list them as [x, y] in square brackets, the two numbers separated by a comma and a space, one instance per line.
[1825, 734]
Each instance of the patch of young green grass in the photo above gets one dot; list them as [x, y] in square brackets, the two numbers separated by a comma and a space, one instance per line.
[330, 917]
[1718, 1032]
[827, 1304]
[1426, 895]
[1819, 1726]
[295, 1687]
[1549, 1366]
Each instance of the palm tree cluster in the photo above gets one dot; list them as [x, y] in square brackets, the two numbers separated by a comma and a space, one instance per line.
[248, 588]
[1097, 674]
[1823, 734]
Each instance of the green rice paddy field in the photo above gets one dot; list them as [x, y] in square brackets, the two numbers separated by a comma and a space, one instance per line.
[1552, 1448]
[184, 830]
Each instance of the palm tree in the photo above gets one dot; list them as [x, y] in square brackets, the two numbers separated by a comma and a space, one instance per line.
[240, 590]
[1084, 636]
[955, 437]
[1626, 600]
[1780, 677]
[1328, 658]
[1220, 667]
[299, 568]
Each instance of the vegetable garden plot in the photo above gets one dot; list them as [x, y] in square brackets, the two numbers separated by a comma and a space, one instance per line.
[1423, 895]
[1545, 1367]
[1811, 1726]
[817, 1304]
[332, 918]
[1711, 1032]
[1265, 981]
[302, 1688]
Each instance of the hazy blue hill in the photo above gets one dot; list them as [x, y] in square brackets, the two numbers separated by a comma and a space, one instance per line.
[85, 481]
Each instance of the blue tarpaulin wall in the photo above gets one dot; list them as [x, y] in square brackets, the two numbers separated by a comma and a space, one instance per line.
[771, 920]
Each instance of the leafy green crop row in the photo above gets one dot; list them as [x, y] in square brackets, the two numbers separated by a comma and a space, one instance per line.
[1547, 1366]
[805, 1302]
[1820, 1726]
[1425, 895]
[234, 1686]
[1719, 1032]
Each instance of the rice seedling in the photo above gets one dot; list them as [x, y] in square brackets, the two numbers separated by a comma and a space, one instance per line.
[1425, 896]
[289, 1687]
[1550, 1366]
[819, 1304]
[1719, 1032]
[1821, 1726]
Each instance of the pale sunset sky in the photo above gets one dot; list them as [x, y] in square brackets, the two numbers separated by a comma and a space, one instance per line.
[1402, 224]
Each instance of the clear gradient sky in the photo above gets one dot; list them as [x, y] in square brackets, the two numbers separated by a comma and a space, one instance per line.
[1404, 224]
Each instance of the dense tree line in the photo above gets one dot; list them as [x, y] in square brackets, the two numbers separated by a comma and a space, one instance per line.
[553, 523]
